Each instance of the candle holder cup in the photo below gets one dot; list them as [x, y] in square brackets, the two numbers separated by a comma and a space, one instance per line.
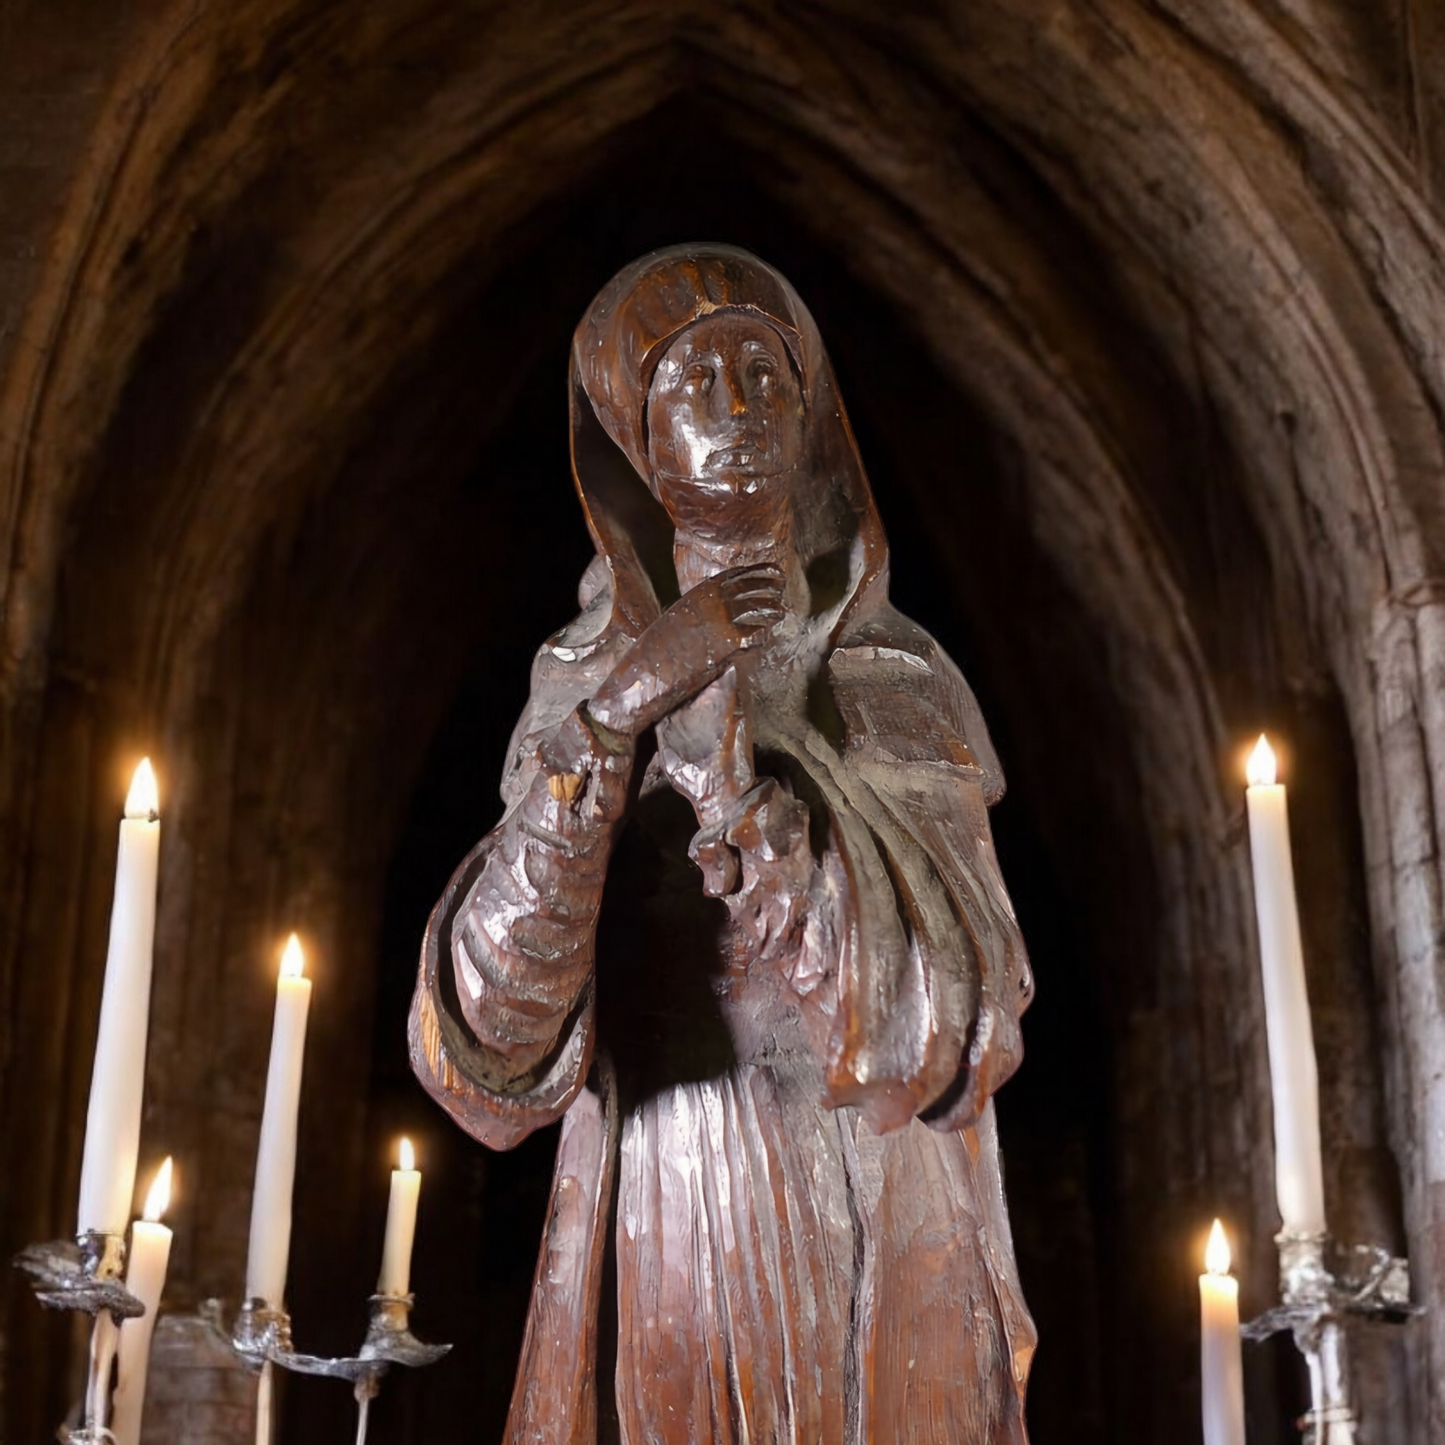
[261, 1333]
[1322, 1285]
[88, 1277]
[263, 1337]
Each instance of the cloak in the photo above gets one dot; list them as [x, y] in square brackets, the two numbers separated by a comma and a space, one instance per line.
[774, 1067]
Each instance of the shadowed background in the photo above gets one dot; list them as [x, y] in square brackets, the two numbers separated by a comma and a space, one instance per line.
[1136, 311]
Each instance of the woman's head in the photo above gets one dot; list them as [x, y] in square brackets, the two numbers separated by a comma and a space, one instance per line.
[725, 423]
[699, 378]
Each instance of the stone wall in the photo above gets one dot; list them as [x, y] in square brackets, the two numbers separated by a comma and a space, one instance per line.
[1137, 309]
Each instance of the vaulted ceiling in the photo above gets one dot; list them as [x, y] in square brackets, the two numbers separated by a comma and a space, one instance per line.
[1138, 310]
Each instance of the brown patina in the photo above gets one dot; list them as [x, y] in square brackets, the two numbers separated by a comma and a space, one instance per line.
[742, 926]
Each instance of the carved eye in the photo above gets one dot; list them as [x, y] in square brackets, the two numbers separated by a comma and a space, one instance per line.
[763, 371]
[697, 380]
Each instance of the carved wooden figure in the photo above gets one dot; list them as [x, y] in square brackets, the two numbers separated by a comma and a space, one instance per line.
[742, 926]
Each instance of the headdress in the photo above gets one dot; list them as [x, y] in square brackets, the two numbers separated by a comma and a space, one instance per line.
[615, 352]
[925, 926]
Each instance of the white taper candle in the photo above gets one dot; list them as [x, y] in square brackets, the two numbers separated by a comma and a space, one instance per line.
[400, 1224]
[145, 1277]
[276, 1154]
[1298, 1172]
[117, 1081]
[1221, 1367]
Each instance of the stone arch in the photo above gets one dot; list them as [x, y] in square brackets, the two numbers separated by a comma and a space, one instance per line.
[1141, 244]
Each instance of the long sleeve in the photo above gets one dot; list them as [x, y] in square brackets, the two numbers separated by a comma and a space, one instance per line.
[522, 942]
[502, 1018]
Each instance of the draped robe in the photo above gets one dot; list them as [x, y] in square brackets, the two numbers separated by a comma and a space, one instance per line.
[763, 966]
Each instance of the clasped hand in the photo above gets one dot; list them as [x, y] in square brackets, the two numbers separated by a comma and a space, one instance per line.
[688, 647]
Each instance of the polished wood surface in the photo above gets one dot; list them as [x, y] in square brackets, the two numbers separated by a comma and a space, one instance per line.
[742, 925]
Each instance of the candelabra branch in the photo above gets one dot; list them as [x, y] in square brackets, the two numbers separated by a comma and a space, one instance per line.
[86, 1276]
[263, 1337]
[261, 1333]
[1321, 1286]
[389, 1340]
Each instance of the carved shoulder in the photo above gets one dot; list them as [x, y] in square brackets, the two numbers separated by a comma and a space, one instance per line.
[567, 669]
[902, 697]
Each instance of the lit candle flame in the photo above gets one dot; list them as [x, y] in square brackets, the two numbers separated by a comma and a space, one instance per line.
[1216, 1252]
[406, 1155]
[293, 960]
[143, 799]
[1260, 769]
[158, 1197]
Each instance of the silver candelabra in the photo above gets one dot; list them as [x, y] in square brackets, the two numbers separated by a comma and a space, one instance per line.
[88, 1277]
[263, 1338]
[1321, 1285]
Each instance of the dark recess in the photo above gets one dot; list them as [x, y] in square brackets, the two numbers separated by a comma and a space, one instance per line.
[965, 567]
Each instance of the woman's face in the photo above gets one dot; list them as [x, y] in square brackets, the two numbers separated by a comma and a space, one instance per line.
[724, 418]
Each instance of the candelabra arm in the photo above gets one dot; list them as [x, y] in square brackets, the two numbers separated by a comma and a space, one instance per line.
[262, 1332]
[1321, 1286]
[389, 1339]
[262, 1336]
[87, 1276]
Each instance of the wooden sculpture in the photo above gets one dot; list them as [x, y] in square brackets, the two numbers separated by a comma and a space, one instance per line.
[742, 927]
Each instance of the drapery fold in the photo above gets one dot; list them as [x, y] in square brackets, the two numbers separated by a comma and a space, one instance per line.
[797, 1205]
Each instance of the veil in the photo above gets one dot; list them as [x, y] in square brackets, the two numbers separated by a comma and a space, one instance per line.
[928, 930]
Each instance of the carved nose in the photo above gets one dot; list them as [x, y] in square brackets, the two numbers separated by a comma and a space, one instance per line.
[737, 402]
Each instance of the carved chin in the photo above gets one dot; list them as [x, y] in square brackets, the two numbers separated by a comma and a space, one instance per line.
[712, 490]
[736, 507]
